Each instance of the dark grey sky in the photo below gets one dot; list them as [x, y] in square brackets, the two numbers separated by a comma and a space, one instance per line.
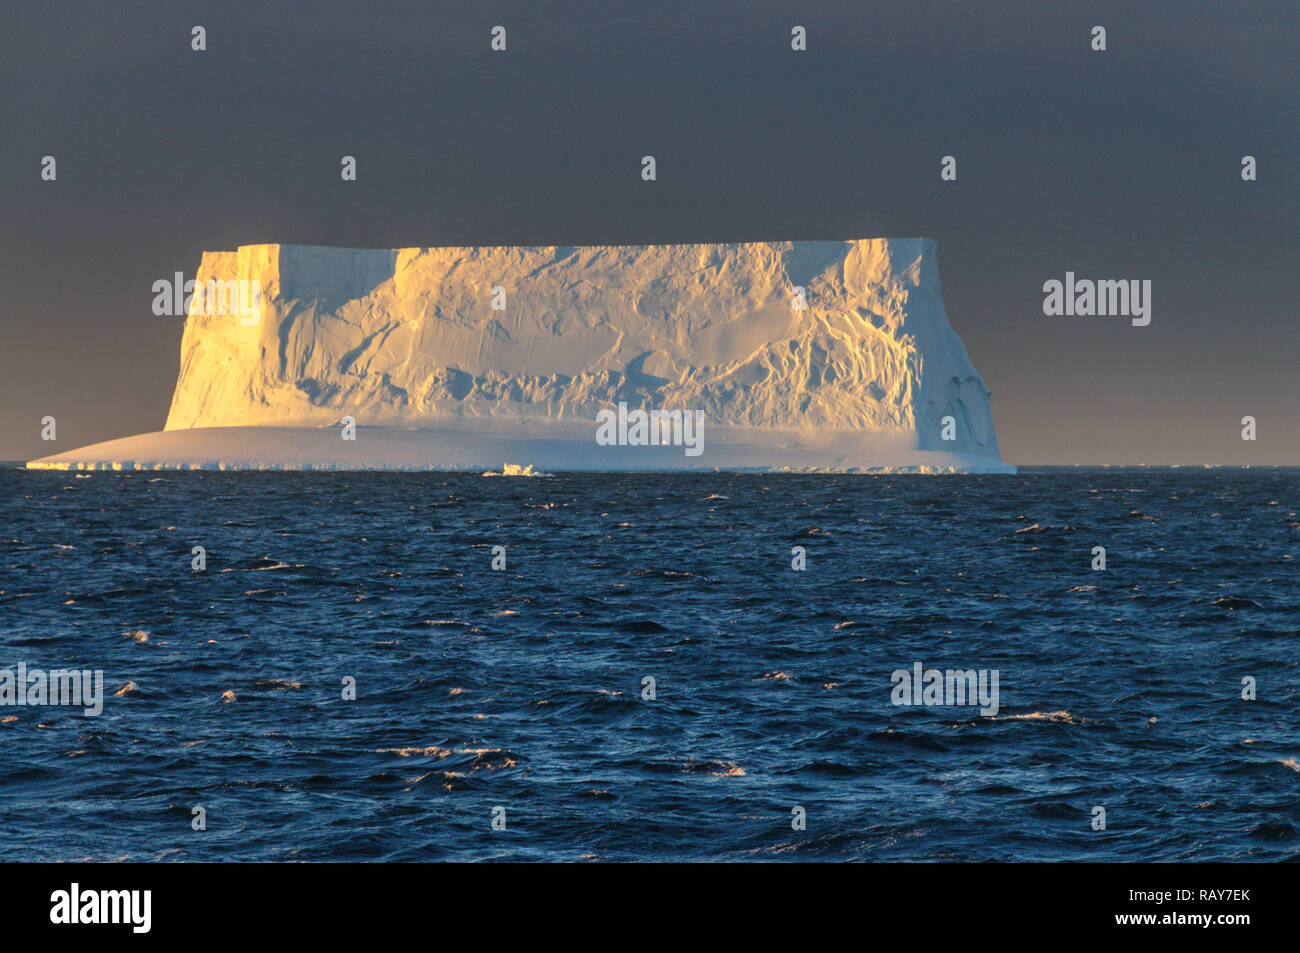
[1122, 164]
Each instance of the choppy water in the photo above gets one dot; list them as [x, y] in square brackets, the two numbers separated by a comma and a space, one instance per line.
[522, 688]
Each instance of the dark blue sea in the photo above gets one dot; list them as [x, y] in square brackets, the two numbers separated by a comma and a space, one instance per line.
[519, 695]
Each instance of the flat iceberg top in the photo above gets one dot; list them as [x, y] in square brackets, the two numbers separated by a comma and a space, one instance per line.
[840, 350]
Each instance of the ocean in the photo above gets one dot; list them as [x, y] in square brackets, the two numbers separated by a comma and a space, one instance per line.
[644, 675]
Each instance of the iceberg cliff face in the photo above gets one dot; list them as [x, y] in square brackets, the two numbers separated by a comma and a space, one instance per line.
[411, 338]
[800, 355]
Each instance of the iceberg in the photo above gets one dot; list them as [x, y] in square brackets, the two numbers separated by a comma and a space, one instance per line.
[515, 469]
[802, 356]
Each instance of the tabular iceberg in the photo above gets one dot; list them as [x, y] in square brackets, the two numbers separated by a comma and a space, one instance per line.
[830, 355]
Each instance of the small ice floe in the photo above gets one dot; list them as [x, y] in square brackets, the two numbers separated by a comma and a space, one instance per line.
[514, 469]
[1063, 717]
[432, 751]
[276, 683]
[1236, 602]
